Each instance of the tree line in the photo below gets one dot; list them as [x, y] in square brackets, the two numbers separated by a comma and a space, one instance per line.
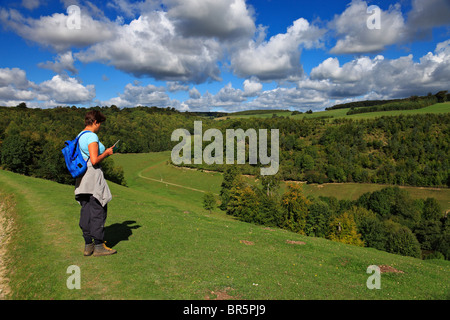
[408, 150]
[388, 219]
[31, 140]
[411, 104]
[440, 96]
[400, 150]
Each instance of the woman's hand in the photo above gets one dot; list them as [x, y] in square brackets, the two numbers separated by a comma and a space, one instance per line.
[109, 151]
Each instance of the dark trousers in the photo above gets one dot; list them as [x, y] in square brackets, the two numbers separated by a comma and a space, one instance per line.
[92, 218]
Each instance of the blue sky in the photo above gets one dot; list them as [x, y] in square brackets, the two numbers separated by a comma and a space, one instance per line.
[221, 55]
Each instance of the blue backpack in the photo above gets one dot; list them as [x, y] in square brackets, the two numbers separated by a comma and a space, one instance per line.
[74, 159]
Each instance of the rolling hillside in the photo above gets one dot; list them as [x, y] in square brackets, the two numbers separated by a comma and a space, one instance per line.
[154, 167]
[342, 113]
[169, 247]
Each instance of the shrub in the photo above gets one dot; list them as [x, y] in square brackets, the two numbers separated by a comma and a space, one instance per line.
[209, 201]
[401, 240]
[435, 255]
[113, 173]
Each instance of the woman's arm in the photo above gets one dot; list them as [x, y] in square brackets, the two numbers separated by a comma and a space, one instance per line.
[93, 153]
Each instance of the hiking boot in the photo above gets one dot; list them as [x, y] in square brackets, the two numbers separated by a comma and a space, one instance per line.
[102, 250]
[88, 249]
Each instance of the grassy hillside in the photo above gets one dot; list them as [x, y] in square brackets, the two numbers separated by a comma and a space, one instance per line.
[342, 113]
[169, 247]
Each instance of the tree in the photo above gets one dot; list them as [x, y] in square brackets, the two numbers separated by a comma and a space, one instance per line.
[50, 164]
[305, 162]
[392, 203]
[336, 174]
[269, 209]
[243, 201]
[295, 208]
[369, 226]
[343, 229]
[270, 183]
[441, 96]
[431, 209]
[401, 240]
[443, 245]
[229, 176]
[209, 201]
[16, 154]
[379, 202]
[428, 233]
[317, 219]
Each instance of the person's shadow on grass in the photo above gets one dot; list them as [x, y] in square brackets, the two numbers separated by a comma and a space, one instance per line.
[119, 232]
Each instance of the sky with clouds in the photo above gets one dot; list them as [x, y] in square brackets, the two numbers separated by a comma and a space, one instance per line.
[221, 55]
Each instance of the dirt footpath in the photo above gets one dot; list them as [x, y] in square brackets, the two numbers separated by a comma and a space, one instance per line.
[6, 228]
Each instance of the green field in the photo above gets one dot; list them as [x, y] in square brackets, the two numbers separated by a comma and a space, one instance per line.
[342, 113]
[169, 247]
[353, 190]
[139, 166]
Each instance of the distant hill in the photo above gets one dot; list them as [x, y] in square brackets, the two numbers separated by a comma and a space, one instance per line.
[381, 149]
[430, 99]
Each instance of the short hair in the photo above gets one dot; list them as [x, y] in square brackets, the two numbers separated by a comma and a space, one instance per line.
[92, 116]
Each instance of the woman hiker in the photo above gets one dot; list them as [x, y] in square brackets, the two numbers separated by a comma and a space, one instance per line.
[91, 190]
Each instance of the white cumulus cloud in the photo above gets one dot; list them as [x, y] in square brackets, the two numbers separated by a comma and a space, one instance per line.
[279, 57]
[135, 95]
[68, 90]
[60, 90]
[355, 37]
[64, 61]
[224, 19]
[252, 87]
[385, 78]
[149, 46]
[53, 31]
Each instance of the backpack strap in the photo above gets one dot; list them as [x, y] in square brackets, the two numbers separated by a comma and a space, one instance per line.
[79, 136]
[78, 139]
